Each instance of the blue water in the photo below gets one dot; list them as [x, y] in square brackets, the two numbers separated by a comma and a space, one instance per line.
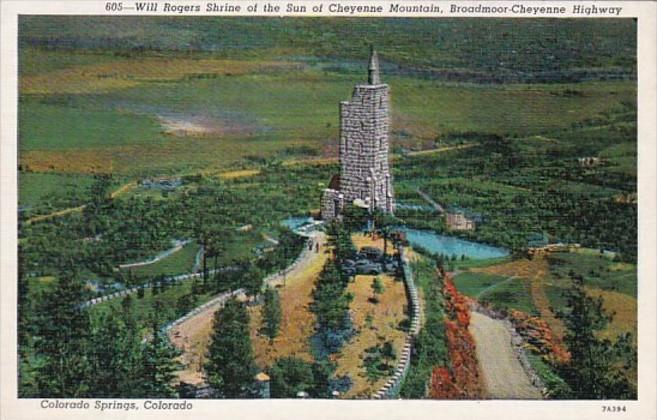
[431, 241]
[418, 207]
[296, 222]
[447, 245]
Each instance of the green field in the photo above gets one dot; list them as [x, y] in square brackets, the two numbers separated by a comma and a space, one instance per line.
[501, 292]
[241, 247]
[264, 94]
[598, 272]
[56, 190]
[179, 262]
[262, 114]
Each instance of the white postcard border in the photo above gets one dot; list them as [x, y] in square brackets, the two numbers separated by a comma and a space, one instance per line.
[644, 408]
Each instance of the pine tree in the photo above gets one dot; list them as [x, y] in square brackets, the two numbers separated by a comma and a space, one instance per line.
[130, 347]
[23, 308]
[377, 289]
[110, 357]
[596, 366]
[158, 366]
[62, 344]
[322, 372]
[385, 225]
[230, 365]
[271, 313]
[252, 281]
[289, 376]
[115, 353]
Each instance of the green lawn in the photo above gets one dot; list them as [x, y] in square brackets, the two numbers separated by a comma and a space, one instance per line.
[501, 292]
[179, 262]
[472, 284]
[182, 261]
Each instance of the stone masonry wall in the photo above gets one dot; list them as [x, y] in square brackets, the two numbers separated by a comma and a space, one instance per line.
[392, 386]
[364, 147]
[332, 200]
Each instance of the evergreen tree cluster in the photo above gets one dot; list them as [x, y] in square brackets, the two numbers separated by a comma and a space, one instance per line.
[331, 307]
[230, 366]
[291, 375]
[339, 238]
[598, 368]
[271, 314]
[330, 297]
[110, 358]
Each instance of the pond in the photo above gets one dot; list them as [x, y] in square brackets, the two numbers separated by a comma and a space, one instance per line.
[295, 222]
[427, 239]
[448, 245]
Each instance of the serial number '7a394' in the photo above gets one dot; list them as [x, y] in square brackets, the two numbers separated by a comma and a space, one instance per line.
[614, 409]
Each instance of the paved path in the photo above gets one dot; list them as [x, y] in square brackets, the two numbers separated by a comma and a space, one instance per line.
[502, 374]
[308, 256]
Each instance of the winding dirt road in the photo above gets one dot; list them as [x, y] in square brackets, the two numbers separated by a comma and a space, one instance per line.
[502, 374]
[192, 336]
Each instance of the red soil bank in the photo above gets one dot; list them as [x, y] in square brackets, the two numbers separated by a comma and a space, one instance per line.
[461, 381]
[537, 333]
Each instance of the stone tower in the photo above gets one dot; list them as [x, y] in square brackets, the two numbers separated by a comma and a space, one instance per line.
[365, 177]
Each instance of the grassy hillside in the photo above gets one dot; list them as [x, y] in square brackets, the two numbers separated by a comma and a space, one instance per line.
[229, 117]
[486, 49]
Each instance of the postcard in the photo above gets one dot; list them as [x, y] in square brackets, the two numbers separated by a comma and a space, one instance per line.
[273, 209]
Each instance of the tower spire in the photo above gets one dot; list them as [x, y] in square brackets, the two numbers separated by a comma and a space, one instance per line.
[373, 77]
